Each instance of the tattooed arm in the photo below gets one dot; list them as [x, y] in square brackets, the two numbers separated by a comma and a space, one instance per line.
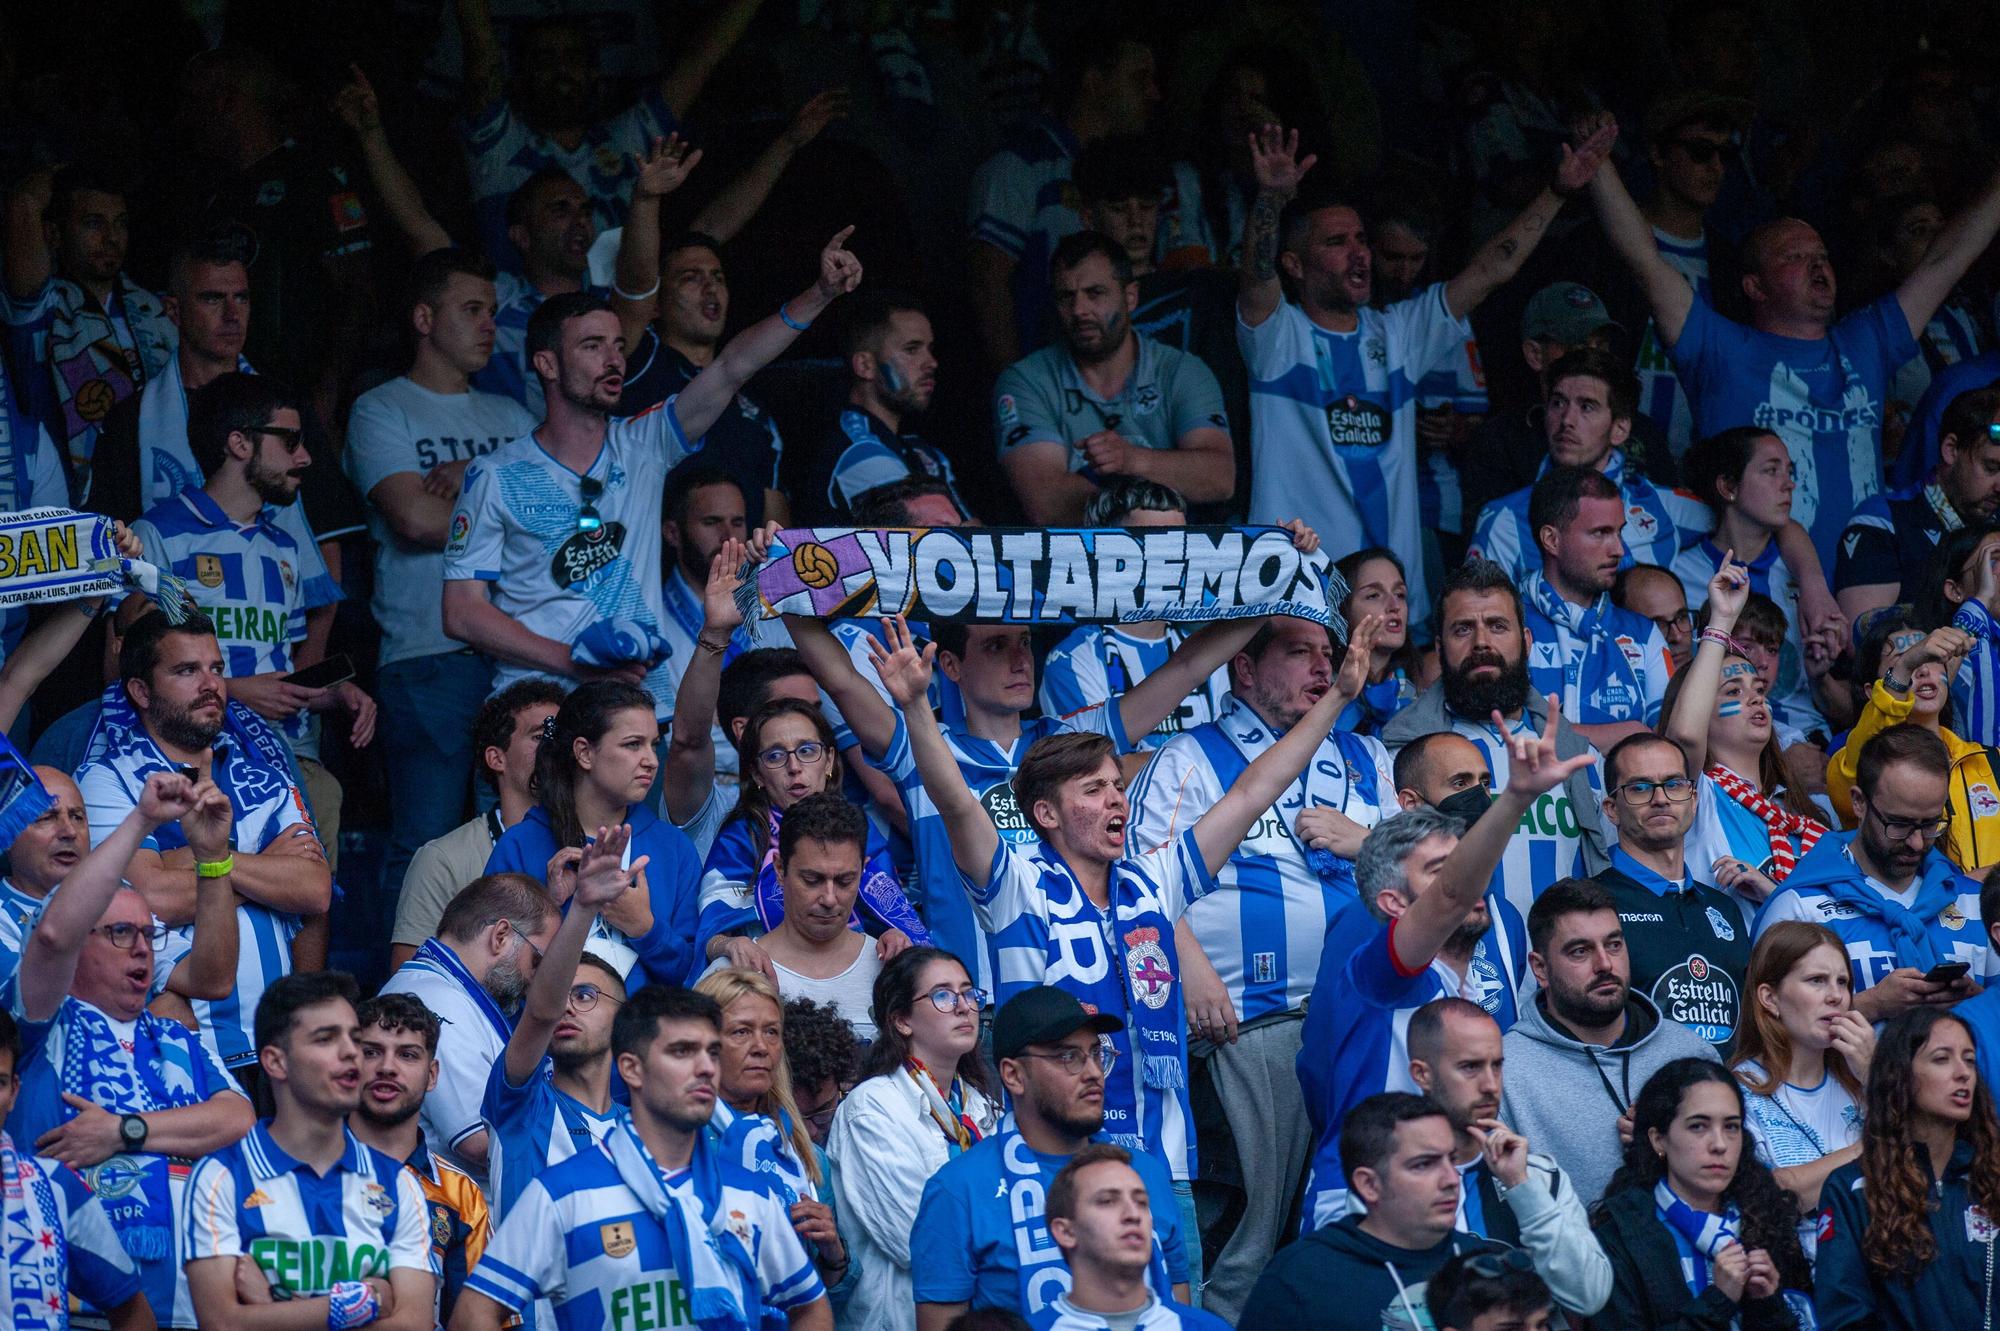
[1501, 257]
[1274, 158]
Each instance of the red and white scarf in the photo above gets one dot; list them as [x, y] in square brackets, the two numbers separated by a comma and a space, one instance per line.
[1781, 824]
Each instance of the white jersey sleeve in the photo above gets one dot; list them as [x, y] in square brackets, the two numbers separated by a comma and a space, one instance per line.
[410, 1245]
[1423, 332]
[524, 1260]
[476, 547]
[1171, 794]
[208, 1218]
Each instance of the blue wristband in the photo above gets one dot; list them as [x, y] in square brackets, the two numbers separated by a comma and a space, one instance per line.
[785, 313]
[351, 1303]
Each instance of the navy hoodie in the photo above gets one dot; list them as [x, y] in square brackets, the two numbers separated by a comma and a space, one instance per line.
[1954, 1290]
[1339, 1278]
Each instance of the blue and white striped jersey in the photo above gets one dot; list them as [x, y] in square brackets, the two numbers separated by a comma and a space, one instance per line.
[267, 806]
[364, 1217]
[1975, 693]
[582, 1239]
[1661, 397]
[1549, 842]
[866, 454]
[251, 581]
[988, 769]
[1605, 663]
[1046, 930]
[1659, 524]
[473, 1033]
[1460, 386]
[516, 528]
[1264, 937]
[1099, 662]
[530, 1127]
[1333, 422]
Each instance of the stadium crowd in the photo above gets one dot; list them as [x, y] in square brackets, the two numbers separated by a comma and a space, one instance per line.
[443, 889]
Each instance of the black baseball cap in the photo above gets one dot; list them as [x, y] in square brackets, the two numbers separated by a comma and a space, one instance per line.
[1043, 1015]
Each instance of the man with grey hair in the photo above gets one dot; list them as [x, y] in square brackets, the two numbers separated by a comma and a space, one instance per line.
[473, 974]
[1098, 662]
[1423, 875]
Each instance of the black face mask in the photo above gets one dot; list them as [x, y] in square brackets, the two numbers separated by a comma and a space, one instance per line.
[1466, 804]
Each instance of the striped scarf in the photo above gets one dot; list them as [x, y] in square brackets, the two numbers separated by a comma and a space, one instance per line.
[1780, 824]
[960, 1132]
[35, 1254]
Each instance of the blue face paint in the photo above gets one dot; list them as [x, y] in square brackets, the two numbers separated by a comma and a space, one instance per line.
[1729, 707]
[1730, 672]
[1902, 642]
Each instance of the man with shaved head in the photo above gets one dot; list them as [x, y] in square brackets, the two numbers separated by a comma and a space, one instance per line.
[1821, 385]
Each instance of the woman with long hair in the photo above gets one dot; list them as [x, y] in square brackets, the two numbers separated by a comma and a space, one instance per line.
[756, 1120]
[1750, 826]
[594, 769]
[1802, 1054]
[1376, 586]
[1698, 1232]
[787, 754]
[1907, 1236]
[1964, 592]
[926, 1096]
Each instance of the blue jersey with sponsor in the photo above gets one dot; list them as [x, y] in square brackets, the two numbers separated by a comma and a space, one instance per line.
[1824, 397]
[1658, 523]
[1605, 663]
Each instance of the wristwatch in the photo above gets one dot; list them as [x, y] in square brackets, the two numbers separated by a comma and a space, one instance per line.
[132, 1132]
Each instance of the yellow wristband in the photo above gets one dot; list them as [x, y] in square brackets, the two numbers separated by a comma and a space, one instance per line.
[221, 868]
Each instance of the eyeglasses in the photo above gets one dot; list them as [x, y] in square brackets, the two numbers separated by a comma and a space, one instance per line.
[1704, 152]
[123, 935]
[822, 1119]
[1670, 624]
[1677, 789]
[583, 997]
[1073, 1059]
[1900, 829]
[587, 518]
[522, 934]
[947, 1000]
[807, 753]
[292, 439]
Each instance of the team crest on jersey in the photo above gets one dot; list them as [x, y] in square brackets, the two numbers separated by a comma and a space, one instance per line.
[1979, 1227]
[1952, 918]
[1639, 520]
[1375, 351]
[440, 1226]
[618, 1238]
[1723, 928]
[287, 572]
[1354, 423]
[1486, 976]
[1634, 654]
[378, 1199]
[208, 570]
[1146, 965]
[1147, 400]
[1984, 802]
[739, 1225]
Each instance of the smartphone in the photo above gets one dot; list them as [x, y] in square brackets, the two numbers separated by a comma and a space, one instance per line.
[334, 670]
[1947, 972]
[191, 773]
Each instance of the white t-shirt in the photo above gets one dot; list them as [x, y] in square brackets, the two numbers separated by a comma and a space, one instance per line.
[852, 991]
[1799, 1124]
[403, 426]
[516, 529]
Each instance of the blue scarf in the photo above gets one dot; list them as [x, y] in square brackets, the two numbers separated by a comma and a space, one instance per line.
[1700, 1235]
[259, 764]
[1577, 630]
[761, 1144]
[715, 1268]
[23, 798]
[163, 1071]
[1908, 926]
[1041, 1271]
[438, 959]
[35, 1255]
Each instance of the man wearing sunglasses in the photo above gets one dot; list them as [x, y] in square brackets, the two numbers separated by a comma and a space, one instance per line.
[1907, 917]
[548, 1095]
[1689, 942]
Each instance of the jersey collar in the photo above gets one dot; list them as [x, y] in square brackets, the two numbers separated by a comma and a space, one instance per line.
[203, 506]
[1645, 877]
[268, 1160]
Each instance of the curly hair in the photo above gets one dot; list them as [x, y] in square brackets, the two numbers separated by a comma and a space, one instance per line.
[1770, 1213]
[1899, 1241]
[820, 1045]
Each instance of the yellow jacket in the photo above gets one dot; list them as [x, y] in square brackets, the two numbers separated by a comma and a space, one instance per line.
[1972, 842]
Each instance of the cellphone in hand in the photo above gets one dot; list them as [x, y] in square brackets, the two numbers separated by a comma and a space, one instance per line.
[1947, 972]
[337, 669]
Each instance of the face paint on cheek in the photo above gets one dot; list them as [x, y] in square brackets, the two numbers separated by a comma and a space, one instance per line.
[1730, 707]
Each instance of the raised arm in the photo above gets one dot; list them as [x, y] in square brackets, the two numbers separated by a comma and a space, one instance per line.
[1668, 294]
[731, 209]
[1727, 592]
[48, 956]
[1533, 771]
[1501, 257]
[906, 673]
[704, 400]
[635, 285]
[872, 720]
[1964, 238]
[485, 65]
[28, 265]
[687, 775]
[681, 85]
[600, 883]
[1275, 165]
[1222, 829]
[356, 106]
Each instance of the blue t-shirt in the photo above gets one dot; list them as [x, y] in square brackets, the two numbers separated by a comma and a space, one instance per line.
[962, 1247]
[1824, 397]
[665, 953]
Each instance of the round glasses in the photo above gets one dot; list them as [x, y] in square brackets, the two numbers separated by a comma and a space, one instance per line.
[947, 1000]
[583, 997]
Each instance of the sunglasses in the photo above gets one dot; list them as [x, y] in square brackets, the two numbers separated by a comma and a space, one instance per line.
[588, 519]
[292, 439]
[1704, 152]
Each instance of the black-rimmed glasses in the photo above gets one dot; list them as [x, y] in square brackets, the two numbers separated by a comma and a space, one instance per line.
[1677, 789]
[123, 935]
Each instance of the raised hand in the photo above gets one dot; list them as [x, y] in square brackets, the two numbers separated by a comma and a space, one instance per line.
[1533, 769]
[1986, 575]
[209, 822]
[904, 671]
[839, 271]
[1274, 160]
[664, 167]
[1728, 592]
[1941, 646]
[890, 943]
[1360, 652]
[719, 610]
[1304, 539]
[601, 874]
[166, 796]
[128, 543]
[1580, 164]
[355, 104]
[820, 110]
